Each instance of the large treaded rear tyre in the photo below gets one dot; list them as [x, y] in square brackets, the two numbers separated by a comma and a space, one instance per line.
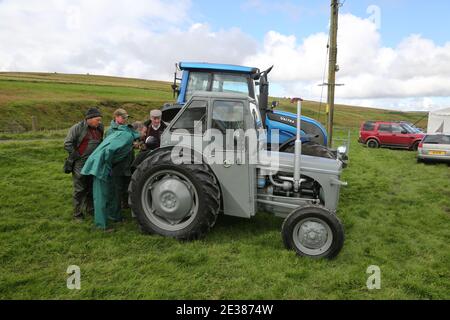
[181, 201]
[313, 231]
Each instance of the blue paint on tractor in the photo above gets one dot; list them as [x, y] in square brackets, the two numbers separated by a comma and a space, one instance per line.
[184, 83]
[216, 67]
[287, 132]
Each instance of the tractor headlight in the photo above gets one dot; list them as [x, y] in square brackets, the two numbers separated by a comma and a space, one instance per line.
[342, 155]
[342, 150]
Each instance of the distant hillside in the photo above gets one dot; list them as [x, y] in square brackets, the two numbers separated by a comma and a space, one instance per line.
[59, 100]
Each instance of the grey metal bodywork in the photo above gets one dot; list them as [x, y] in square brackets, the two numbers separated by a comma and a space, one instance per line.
[325, 171]
[237, 178]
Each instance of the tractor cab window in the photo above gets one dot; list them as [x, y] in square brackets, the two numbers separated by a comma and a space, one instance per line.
[228, 118]
[228, 115]
[198, 81]
[230, 83]
[219, 82]
[195, 113]
[255, 115]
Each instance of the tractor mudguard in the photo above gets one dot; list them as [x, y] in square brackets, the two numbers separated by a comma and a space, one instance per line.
[169, 111]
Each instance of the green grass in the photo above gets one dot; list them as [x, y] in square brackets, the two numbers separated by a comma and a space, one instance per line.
[396, 215]
[58, 100]
[34, 135]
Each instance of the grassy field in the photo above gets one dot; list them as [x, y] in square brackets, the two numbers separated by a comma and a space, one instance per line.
[396, 215]
[59, 100]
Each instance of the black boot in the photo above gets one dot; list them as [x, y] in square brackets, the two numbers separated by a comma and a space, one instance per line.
[78, 216]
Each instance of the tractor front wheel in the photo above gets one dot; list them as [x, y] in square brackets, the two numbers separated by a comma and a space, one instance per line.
[313, 231]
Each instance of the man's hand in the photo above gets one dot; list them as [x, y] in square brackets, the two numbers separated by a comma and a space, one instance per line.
[74, 155]
[139, 145]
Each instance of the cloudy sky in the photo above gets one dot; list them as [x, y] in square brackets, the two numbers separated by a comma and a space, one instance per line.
[392, 53]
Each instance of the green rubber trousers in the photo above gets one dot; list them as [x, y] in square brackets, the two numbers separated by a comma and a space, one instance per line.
[107, 196]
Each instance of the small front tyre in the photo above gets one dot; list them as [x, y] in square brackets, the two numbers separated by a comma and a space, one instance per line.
[313, 231]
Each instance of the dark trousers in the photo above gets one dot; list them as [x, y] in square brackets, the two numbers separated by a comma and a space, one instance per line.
[124, 191]
[82, 191]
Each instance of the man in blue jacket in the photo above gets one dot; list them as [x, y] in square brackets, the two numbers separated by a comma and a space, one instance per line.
[108, 164]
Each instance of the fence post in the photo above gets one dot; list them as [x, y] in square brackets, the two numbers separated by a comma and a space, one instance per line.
[34, 123]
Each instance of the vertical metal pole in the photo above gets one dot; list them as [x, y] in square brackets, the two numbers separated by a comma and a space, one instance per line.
[332, 68]
[298, 148]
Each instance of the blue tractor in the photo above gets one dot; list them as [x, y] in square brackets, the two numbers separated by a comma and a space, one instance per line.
[232, 78]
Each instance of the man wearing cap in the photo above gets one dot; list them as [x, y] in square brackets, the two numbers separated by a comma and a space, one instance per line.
[155, 128]
[152, 139]
[123, 172]
[120, 117]
[81, 141]
[109, 164]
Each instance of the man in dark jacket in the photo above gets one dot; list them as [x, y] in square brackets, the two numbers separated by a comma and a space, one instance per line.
[155, 128]
[152, 140]
[81, 141]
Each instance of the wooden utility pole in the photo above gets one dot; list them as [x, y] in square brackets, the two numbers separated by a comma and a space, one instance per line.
[332, 67]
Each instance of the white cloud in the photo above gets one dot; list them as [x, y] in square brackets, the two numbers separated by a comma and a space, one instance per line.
[373, 75]
[144, 38]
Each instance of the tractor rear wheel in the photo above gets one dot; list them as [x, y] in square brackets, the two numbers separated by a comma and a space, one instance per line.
[313, 231]
[181, 201]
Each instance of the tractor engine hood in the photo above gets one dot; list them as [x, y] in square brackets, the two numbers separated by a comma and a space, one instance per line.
[309, 164]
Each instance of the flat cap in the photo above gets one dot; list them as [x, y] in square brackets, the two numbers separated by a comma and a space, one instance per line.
[121, 113]
[155, 113]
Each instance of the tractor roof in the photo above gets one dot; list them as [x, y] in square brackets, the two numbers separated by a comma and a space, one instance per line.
[217, 67]
[222, 95]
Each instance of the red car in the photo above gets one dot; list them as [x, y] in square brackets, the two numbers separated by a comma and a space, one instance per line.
[377, 134]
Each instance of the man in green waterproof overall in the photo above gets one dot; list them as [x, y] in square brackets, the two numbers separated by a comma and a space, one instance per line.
[82, 139]
[107, 164]
[122, 174]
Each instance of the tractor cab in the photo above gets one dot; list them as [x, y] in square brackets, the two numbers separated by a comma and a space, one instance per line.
[210, 77]
[216, 78]
[217, 126]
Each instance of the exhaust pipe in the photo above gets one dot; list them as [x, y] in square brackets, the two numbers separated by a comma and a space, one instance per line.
[264, 94]
[298, 147]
